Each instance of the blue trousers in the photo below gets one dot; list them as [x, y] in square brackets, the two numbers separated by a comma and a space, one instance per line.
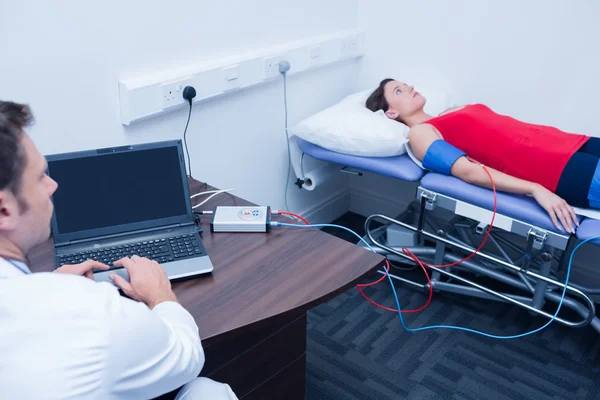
[579, 182]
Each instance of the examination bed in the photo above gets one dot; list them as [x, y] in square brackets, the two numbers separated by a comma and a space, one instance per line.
[525, 252]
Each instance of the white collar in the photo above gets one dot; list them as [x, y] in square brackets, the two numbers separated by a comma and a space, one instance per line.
[12, 268]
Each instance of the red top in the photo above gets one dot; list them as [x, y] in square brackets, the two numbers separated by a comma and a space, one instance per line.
[535, 153]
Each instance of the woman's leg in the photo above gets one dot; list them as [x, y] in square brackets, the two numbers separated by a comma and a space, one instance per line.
[576, 183]
[592, 146]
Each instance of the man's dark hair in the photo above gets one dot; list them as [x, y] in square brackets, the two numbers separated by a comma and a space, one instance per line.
[376, 100]
[13, 118]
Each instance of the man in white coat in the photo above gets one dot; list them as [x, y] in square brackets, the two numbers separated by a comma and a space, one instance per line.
[64, 336]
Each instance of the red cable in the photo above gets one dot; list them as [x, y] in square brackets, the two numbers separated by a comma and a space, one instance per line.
[487, 235]
[387, 263]
[422, 264]
[294, 215]
[416, 259]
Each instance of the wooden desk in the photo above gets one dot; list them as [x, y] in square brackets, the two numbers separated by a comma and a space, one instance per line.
[251, 311]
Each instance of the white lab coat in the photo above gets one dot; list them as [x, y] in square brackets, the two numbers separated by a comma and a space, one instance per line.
[67, 337]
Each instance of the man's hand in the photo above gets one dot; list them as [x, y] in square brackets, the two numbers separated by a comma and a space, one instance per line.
[557, 208]
[83, 269]
[148, 282]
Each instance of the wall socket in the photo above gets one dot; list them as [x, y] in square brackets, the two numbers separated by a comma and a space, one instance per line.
[272, 66]
[172, 94]
[349, 46]
[160, 92]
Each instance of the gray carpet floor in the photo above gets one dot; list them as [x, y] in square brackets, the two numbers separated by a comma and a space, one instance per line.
[356, 351]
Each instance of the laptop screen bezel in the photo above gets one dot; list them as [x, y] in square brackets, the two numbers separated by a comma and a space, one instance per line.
[185, 219]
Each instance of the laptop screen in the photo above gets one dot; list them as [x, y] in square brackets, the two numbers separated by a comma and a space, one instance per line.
[119, 190]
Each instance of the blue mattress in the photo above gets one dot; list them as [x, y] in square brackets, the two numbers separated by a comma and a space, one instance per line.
[589, 228]
[399, 167]
[520, 207]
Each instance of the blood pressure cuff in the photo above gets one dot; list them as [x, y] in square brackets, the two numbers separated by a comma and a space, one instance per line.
[441, 155]
[594, 192]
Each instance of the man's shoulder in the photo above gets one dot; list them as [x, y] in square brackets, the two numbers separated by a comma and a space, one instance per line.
[56, 292]
[55, 279]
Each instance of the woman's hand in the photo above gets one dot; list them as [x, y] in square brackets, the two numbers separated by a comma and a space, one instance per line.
[557, 208]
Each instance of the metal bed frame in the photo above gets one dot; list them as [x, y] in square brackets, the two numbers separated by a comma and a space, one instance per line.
[538, 270]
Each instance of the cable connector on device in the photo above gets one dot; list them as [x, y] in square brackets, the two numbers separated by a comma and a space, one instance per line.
[291, 215]
[204, 212]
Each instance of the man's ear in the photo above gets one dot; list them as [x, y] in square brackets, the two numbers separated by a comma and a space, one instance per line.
[391, 114]
[9, 211]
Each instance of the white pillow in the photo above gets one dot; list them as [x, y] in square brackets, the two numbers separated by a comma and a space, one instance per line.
[412, 155]
[349, 127]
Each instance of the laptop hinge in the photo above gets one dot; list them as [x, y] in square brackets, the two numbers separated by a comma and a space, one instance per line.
[116, 235]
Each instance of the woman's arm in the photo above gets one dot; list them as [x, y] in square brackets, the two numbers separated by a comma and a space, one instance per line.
[555, 206]
[421, 137]
[474, 174]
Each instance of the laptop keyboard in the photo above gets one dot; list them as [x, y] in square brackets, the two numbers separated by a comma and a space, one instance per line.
[160, 250]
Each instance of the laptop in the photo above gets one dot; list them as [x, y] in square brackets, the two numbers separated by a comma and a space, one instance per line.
[123, 201]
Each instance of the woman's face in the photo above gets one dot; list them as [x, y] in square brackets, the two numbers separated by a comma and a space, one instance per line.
[403, 100]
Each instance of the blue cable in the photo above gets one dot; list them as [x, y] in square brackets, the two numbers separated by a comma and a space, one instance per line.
[287, 138]
[460, 328]
[326, 225]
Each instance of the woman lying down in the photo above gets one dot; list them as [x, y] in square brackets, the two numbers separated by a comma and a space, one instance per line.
[558, 169]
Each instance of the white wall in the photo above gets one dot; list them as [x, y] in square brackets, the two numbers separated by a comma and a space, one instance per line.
[535, 60]
[64, 58]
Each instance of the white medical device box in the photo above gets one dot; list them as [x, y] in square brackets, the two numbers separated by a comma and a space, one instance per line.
[241, 219]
